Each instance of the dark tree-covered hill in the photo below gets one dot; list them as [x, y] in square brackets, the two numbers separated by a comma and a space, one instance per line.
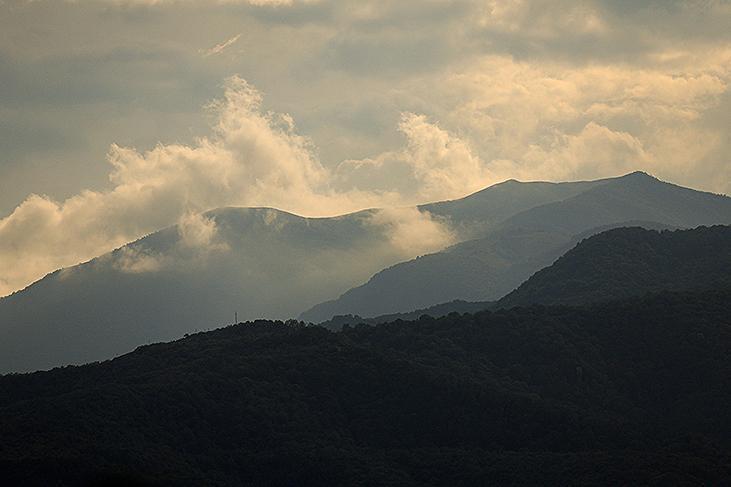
[628, 262]
[436, 311]
[627, 392]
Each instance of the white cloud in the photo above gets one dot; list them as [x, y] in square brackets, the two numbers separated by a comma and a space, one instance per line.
[253, 158]
[413, 232]
[197, 231]
[433, 165]
[553, 121]
[592, 153]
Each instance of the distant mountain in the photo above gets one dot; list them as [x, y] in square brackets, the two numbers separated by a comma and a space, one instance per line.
[477, 213]
[618, 263]
[259, 262]
[629, 262]
[487, 268]
[631, 392]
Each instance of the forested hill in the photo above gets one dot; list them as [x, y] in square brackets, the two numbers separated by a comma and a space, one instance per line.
[436, 311]
[628, 392]
[631, 261]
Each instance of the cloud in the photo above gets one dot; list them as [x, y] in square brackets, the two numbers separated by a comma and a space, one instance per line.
[196, 231]
[433, 165]
[592, 153]
[219, 48]
[555, 121]
[132, 260]
[275, 3]
[254, 158]
[413, 232]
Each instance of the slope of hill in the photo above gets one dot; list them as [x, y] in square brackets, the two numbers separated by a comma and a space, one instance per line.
[259, 262]
[487, 268]
[628, 392]
[476, 270]
[618, 263]
[629, 262]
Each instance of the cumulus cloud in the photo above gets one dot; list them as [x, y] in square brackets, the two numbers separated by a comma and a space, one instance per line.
[433, 165]
[412, 231]
[592, 153]
[254, 158]
[555, 121]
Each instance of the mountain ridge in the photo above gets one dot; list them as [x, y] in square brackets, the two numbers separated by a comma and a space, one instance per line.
[636, 196]
[258, 262]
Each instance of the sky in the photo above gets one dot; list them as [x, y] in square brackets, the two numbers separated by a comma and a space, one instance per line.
[120, 117]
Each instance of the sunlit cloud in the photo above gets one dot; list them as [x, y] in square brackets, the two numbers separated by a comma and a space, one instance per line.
[254, 158]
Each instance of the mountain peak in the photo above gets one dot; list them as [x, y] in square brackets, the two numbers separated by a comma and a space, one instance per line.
[639, 176]
[639, 173]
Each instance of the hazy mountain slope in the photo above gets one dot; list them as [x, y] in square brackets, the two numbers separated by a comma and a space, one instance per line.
[488, 268]
[636, 196]
[475, 214]
[628, 392]
[261, 263]
[617, 263]
[476, 270]
[629, 262]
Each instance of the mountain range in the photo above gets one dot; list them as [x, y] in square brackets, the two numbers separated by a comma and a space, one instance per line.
[265, 263]
[487, 268]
